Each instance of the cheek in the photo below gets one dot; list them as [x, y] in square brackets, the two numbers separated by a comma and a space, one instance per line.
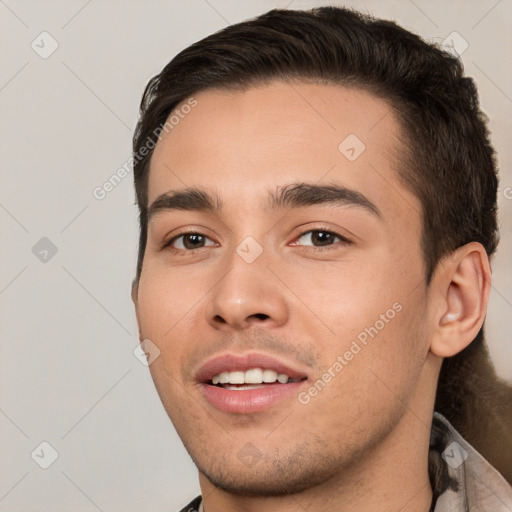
[394, 353]
[343, 298]
[166, 300]
[373, 339]
[373, 380]
[172, 313]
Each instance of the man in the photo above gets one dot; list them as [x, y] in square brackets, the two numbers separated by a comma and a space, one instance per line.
[317, 198]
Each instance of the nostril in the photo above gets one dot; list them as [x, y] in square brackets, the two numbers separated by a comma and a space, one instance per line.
[256, 317]
[260, 316]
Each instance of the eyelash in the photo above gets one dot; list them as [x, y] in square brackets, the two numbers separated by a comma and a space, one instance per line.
[343, 239]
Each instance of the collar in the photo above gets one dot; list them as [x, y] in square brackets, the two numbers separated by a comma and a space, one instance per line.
[479, 486]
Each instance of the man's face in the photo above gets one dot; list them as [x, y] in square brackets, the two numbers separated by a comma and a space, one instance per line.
[332, 291]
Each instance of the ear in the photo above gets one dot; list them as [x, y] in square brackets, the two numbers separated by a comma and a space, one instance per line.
[461, 285]
[135, 300]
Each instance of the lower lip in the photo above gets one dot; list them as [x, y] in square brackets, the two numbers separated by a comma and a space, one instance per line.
[247, 401]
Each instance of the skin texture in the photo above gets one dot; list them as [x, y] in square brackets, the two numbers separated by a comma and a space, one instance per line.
[362, 442]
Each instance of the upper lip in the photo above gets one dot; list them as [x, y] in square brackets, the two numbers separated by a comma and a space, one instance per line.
[242, 362]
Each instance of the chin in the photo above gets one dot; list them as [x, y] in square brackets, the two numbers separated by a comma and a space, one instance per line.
[281, 475]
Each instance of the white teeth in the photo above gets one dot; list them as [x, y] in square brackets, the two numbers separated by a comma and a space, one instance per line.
[242, 387]
[251, 376]
[254, 376]
[269, 376]
[223, 378]
[282, 378]
[237, 377]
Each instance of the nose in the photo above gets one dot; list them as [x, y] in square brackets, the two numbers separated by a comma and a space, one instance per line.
[248, 294]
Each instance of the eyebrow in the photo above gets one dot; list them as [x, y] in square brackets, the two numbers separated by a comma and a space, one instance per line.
[294, 195]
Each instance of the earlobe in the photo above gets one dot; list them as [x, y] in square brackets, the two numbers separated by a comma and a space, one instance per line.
[462, 285]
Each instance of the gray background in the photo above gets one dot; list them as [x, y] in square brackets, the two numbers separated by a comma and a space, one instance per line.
[67, 368]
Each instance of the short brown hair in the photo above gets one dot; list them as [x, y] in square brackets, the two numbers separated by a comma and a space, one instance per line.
[448, 162]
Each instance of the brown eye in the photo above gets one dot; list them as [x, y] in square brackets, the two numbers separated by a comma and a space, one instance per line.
[322, 238]
[188, 241]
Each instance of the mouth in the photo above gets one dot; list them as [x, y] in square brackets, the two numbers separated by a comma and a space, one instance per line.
[254, 378]
[249, 383]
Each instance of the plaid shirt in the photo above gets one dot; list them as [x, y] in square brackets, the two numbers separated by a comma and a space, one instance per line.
[475, 485]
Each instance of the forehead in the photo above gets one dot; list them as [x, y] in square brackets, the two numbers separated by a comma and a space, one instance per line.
[242, 143]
